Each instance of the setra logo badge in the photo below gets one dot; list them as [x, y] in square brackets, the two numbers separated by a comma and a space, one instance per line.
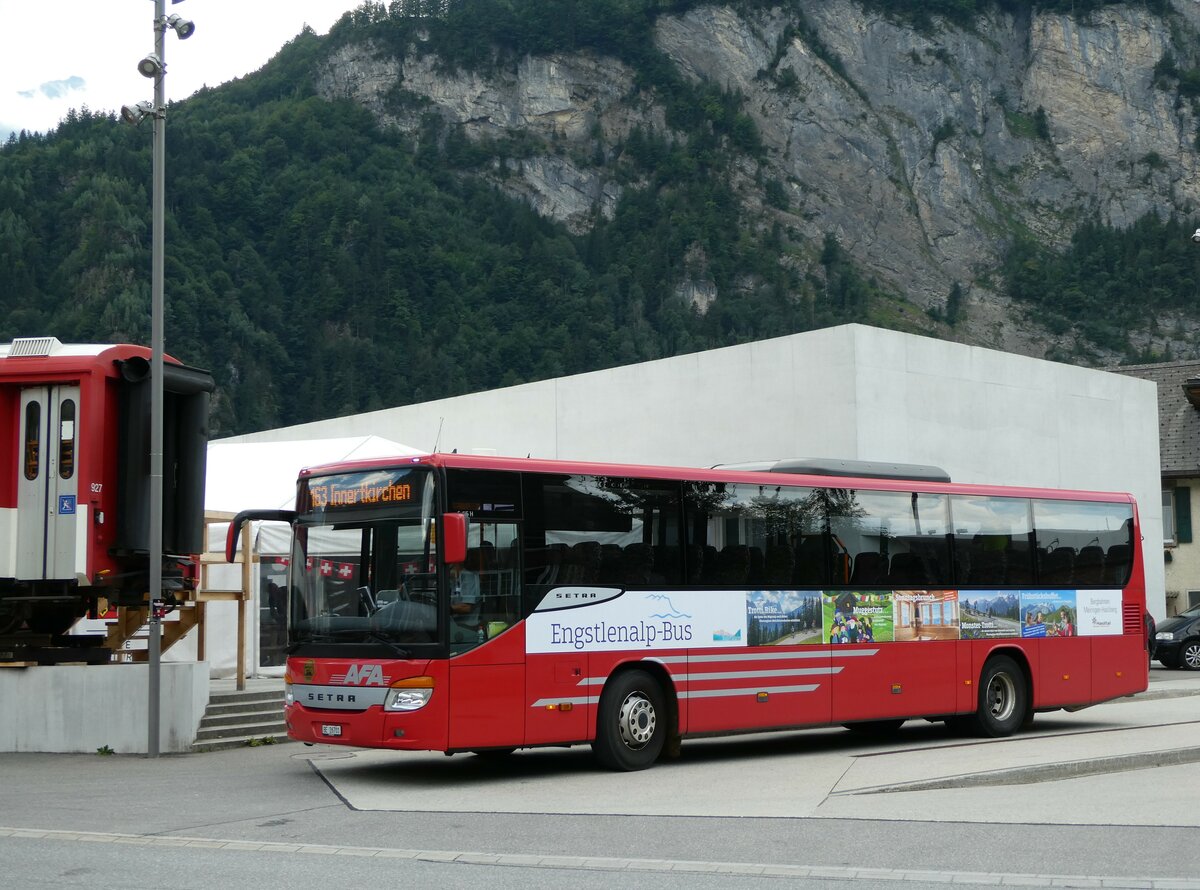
[361, 675]
[310, 670]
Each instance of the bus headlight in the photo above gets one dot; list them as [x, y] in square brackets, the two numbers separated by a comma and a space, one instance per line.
[410, 694]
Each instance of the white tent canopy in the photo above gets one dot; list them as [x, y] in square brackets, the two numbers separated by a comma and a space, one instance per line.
[262, 475]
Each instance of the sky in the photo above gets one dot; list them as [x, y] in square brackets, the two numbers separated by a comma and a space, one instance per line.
[86, 53]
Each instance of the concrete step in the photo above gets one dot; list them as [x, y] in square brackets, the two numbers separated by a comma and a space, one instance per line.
[246, 696]
[207, 736]
[240, 741]
[234, 718]
[237, 719]
[266, 706]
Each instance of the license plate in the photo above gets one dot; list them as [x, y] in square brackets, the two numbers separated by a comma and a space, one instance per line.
[331, 729]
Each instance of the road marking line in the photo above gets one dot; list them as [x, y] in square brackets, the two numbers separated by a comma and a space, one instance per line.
[612, 864]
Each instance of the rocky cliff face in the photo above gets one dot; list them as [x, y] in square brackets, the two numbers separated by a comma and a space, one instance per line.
[921, 151]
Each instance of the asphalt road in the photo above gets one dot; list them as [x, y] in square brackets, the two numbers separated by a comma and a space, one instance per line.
[1105, 797]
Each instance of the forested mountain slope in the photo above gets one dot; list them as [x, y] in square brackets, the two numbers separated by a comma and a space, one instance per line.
[450, 195]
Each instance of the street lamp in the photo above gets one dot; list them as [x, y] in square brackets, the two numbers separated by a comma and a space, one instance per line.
[154, 66]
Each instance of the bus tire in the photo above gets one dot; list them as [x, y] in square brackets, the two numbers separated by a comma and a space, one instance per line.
[1003, 698]
[631, 722]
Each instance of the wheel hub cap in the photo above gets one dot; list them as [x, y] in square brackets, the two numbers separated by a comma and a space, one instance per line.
[637, 721]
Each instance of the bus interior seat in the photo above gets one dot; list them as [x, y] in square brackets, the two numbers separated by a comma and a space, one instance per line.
[757, 571]
[906, 568]
[637, 564]
[733, 564]
[1116, 564]
[589, 560]
[778, 564]
[869, 569]
[709, 564]
[810, 560]
[1017, 566]
[1089, 565]
[1057, 566]
[694, 563]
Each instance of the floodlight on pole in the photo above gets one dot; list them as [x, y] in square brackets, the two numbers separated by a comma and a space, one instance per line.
[151, 66]
[135, 114]
[181, 26]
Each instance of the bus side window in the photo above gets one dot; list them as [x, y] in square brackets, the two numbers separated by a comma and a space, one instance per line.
[991, 540]
[494, 558]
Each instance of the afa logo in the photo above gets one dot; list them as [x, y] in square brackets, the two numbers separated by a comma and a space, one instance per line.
[362, 675]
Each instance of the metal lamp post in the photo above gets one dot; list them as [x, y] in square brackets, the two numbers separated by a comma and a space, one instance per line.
[154, 66]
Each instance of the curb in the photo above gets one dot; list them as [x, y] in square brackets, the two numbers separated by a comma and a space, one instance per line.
[1048, 772]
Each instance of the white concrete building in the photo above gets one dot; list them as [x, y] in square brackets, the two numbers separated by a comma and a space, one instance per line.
[846, 392]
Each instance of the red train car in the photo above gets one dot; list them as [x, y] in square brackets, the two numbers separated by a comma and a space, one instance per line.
[75, 478]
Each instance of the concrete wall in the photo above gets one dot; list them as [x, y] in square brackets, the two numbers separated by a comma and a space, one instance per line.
[845, 392]
[79, 709]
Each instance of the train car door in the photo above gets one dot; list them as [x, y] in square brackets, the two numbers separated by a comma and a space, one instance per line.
[47, 484]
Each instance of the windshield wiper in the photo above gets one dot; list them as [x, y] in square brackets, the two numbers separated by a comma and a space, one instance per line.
[397, 650]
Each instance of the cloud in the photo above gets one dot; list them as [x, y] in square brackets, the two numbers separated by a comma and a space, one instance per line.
[55, 89]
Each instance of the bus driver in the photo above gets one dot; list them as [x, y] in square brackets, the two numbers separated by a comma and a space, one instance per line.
[464, 601]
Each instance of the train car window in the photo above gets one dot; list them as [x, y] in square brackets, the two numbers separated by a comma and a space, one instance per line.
[66, 439]
[33, 428]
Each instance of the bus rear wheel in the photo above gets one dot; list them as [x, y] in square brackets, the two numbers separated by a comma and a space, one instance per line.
[631, 725]
[1003, 698]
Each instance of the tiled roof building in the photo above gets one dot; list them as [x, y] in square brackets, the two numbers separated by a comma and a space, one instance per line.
[1178, 417]
[1179, 459]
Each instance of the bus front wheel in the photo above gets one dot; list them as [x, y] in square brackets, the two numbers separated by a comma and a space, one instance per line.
[1003, 698]
[631, 725]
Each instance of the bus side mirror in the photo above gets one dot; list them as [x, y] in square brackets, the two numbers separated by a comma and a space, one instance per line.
[454, 538]
[235, 527]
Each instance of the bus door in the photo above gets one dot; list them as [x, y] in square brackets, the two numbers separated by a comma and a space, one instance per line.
[48, 509]
[487, 667]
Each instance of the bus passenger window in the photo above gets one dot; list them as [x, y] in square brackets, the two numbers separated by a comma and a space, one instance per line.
[896, 539]
[750, 535]
[992, 540]
[1082, 543]
[602, 530]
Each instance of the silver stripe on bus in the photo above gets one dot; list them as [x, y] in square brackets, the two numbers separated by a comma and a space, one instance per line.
[739, 675]
[763, 656]
[716, 693]
[694, 693]
[747, 675]
[585, 700]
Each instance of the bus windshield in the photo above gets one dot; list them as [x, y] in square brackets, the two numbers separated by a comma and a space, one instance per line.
[364, 560]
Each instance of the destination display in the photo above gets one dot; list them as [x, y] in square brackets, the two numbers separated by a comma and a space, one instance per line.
[376, 488]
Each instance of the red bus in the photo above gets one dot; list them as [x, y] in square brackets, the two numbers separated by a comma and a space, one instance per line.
[75, 480]
[455, 603]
